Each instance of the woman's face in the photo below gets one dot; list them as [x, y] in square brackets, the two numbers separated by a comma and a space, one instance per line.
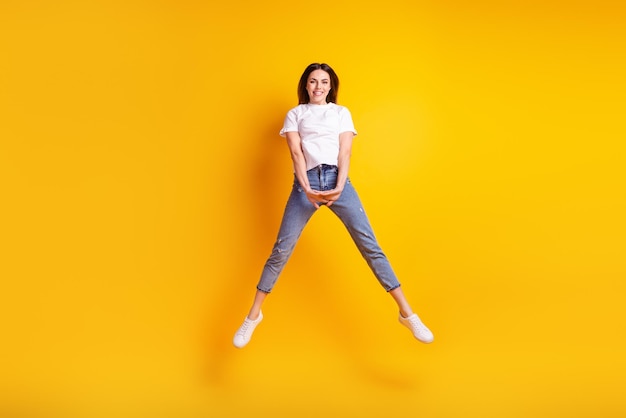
[318, 86]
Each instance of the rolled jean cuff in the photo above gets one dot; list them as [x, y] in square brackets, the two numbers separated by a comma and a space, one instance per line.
[393, 287]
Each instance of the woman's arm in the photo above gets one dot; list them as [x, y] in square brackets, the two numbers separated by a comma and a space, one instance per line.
[343, 165]
[299, 166]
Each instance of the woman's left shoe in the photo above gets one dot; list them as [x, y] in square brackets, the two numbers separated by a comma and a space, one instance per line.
[244, 333]
[419, 330]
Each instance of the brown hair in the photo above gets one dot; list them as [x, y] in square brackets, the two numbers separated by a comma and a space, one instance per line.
[303, 95]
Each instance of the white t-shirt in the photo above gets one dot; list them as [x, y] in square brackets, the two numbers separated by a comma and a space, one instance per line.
[319, 127]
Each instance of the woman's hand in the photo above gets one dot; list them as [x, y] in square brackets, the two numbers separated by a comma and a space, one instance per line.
[327, 197]
[316, 198]
[330, 196]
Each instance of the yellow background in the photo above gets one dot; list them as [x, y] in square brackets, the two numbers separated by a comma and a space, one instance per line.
[142, 183]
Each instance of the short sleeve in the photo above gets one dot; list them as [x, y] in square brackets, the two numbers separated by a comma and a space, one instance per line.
[345, 121]
[290, 124]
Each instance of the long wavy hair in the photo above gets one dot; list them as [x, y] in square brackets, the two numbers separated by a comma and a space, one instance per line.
[303, 95]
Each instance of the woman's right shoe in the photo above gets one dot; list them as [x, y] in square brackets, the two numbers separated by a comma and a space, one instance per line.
[244, 333]
[418, 329]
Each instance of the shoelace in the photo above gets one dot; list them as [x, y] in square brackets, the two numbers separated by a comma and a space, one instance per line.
[244, 327]
[418, 324]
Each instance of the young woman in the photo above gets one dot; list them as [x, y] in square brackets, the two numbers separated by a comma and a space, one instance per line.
[319, 135]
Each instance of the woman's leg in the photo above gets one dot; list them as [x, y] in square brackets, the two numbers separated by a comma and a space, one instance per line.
[255, 310]
[403, 305]
[349, 209]
[297, 213]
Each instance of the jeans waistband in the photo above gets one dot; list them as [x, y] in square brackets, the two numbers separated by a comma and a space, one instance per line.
[322, 167]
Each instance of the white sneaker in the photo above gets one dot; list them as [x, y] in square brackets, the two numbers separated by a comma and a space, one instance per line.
[418, 329]
[244, 333]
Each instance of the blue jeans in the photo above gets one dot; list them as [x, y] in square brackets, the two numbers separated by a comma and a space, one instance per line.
[348, 208]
